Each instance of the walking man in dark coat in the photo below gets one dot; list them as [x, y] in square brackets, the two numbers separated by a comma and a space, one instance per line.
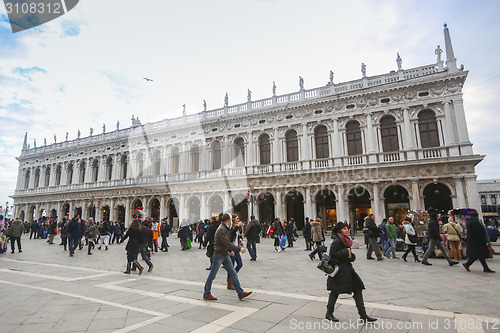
[252, 231]
[372, 238]
[477, 244]
[435, 240]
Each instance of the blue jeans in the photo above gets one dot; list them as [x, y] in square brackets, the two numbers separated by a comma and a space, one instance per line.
[252, 249]
[385, 246]
[392, 242]
[236, 259]
[73, 243]
[217, 261]
[164, 244]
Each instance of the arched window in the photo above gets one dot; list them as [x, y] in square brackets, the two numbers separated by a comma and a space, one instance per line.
[175, 160]
[69, 174]
[95, 170]
[427, 125]
[239, 152]
[389, 134]
[353, 133]
[109, 168]
[47, 176]
[292, 146]
[83, 168]
[195, 158]
[58, 175]
[139, 160]
[27, 179]
[321, 140]
[156, 163]
[216, 155]
[124, 162]
[264, 149]
[37, 177]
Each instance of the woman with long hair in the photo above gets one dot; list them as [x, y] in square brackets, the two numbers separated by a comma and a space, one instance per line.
[133, 233]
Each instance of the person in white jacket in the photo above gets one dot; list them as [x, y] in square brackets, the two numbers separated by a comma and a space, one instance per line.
[409, 230]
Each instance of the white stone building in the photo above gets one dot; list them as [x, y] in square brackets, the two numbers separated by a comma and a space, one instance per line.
[381, 144]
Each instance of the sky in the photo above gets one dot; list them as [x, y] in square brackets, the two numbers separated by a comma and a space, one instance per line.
[86, 68]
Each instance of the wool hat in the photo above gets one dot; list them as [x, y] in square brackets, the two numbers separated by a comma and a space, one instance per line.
[339, 226]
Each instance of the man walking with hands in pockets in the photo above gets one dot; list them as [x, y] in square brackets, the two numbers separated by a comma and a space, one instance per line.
[222, 248]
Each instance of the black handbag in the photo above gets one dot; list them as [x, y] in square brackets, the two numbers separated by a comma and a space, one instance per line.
[324, 264]
[412, 238]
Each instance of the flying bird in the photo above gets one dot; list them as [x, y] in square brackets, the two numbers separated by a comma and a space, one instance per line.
[145, 78]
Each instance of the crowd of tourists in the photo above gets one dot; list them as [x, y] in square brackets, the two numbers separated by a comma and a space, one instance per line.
[222, 237]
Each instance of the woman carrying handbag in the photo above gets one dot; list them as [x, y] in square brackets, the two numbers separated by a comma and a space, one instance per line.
[411, 239]
[346, 281]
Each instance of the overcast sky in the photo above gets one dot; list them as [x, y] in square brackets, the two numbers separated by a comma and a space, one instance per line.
[86, 68]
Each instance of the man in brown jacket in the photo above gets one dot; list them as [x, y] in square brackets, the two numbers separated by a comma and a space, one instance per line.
[222, 248]
[15, 231]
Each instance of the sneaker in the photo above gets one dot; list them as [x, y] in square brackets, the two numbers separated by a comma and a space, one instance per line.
[151, 268]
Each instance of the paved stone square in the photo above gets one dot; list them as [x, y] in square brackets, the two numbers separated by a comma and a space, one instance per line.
[45, 290]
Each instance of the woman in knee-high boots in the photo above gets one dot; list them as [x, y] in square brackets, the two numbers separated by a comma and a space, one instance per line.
[346, 281]
[134, 235]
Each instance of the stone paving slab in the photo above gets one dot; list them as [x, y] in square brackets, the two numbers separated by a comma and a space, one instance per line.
[45, 290]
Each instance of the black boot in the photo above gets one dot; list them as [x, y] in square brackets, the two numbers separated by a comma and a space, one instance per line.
[358, 298]
[129, 264]
[139, 267]
[332, 299]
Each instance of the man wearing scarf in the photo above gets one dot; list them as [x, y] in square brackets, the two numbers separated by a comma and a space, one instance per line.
[346, 281]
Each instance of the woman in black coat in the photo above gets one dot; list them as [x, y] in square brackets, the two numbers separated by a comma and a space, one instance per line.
[346, 280]
[134, 235]
[477, 244]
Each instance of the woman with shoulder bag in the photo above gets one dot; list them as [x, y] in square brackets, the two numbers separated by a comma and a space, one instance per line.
[346, 281]
[411, 239]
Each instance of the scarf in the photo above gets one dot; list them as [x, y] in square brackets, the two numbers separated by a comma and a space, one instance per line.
[345, 240]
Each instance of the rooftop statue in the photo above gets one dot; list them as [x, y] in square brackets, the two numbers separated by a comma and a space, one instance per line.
[79, 134]
[91, 131]
[331, 77]
[226, 100]
[34, 143]
[274, 88]
[301, 83]
[104, 128]
[399, 61]
[363, 69]
[66, 136]
[118, 125]
[438, 52]
[249, 95]
[204, 105]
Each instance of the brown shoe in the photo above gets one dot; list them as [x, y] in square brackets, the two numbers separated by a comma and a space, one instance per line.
[230, 284]
[210, 298]
[244, 295]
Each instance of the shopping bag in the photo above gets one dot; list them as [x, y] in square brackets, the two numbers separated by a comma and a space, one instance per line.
[270, 230]
[283, 241]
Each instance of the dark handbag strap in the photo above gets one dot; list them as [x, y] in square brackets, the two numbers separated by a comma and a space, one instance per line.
[457, 232]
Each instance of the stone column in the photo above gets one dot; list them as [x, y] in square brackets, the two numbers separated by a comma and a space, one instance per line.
[461, 123]
[250, 155]
[442, 138]
[227, 202]
[203, 156]
[307, 202]
[203, 206]
[305, 144]
[112, 210]
[370, 138]
[459, 188]
[340, 205]
[276, 147]
[278, 205]
[416, 203]
[451, 140]
[127, 212]
[376, 203]
[408, 135]
[182, 208]
[473, 194]
[102, 169]
[162, 207]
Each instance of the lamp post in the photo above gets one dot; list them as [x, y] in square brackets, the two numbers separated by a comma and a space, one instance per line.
[251, 199]
[92, 207]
